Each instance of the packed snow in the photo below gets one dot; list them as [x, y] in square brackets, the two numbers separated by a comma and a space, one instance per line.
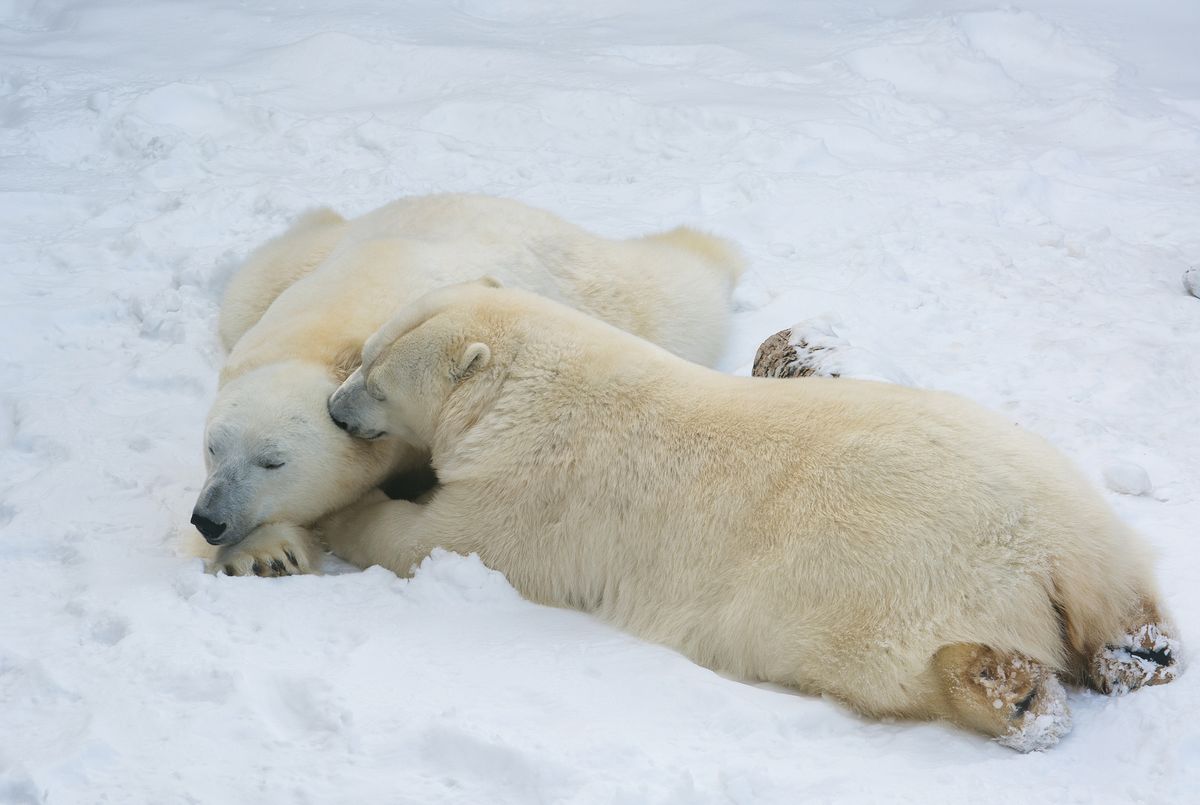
[998, 201]
[1127, 478]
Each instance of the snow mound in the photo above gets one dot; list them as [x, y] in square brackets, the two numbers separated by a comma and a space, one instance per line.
[1127, 478]
[1191, 281]
[445, 578]
[1033, 50]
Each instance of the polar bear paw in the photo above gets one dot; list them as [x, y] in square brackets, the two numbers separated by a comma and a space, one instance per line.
[815, 348]
[1034, 702]
[783, 355]
[1009, 696]
[275, 549]
[1147, 655]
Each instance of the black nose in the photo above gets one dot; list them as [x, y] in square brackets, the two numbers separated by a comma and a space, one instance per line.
[210, 530]
[339, 422]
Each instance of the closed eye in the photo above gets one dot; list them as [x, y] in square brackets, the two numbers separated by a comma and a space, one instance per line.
[271, 465]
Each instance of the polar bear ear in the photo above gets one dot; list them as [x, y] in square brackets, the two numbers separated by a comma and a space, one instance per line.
[475, 357]
[488, 281]
[345, 362]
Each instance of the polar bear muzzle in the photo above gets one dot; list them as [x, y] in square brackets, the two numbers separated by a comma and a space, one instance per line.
[350, 408]
[218, 514]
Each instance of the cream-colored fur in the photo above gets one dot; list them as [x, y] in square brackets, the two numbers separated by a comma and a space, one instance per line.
[273, 267]
[327, 284]
[830, 535]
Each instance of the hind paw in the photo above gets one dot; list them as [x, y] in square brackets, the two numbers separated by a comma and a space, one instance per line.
[1030, 700]
[1009, 696]
[815, 348]
[1147, 655]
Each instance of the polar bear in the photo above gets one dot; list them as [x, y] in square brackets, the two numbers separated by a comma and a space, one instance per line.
[902, 550]
[295, 318]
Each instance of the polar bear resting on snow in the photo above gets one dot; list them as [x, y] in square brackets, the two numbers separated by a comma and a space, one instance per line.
[905, 551]
[295, 317]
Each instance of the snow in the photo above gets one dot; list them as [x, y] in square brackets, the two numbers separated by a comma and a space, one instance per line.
[1127, 478]
[1191, 281]
[999, 200]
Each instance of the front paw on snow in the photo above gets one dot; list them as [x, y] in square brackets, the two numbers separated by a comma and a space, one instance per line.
[270, 551]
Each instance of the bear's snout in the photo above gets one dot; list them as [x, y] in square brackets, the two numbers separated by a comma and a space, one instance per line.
[338, 405]
[211, 531]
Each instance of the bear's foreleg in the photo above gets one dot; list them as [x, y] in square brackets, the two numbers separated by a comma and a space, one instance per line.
[274, 549]
[380, 531]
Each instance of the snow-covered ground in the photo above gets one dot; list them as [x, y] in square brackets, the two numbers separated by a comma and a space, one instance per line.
[998, 201]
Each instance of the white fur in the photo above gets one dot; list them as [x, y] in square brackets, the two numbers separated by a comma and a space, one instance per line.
[298, 313]
[273, 267]
[831, 535]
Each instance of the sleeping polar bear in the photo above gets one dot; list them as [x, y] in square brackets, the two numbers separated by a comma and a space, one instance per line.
[905, 551]
[296, 316]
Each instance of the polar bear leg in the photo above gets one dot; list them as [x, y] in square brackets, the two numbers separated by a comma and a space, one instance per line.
[1146, 654]
[1014, 699]
[380, 531]
[274, 549]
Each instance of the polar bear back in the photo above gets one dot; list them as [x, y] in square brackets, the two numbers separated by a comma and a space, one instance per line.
[671, 288]
[275, 266]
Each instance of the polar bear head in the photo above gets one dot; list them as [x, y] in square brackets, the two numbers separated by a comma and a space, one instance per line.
[435, 348]
[273, 455]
